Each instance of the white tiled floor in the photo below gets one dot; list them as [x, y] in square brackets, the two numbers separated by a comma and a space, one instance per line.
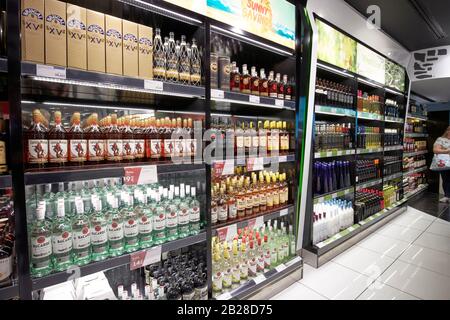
[407, 259]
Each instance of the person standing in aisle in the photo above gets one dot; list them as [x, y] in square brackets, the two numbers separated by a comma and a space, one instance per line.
[442, 146]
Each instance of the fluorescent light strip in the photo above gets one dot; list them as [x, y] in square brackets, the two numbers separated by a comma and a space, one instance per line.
[110, 86]
[370, 83]
[335, 70]
[246, 39]
[143, 3]
[394, 91]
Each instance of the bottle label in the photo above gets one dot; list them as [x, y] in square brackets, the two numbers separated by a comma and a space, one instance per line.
[255, 141]
[114, 150]
[223, 213]
[236, 276]
[139, 147]
[98, 235]
[37, 151]
[194, 214]
[169, 147]
[179, 147]
[58, 151]
[214, 215]
[248, 142]
[131, 228]
[275, 143]
[155, 148]
[41, 247]
[6, 266]
[115, 231]
[183, 216]
[171, 219]
[260, 264]
[267, 260]
[190, 148]
[217, 282]
[159, 222]
[263, 141]
[241, 203]
[255, 200]
[252, 268]
[128, 146]
[284, 142]
[249, 201]
[96, 150]
[78, 148]
[82, 238]
[227, 280]
[185, 74]
[232, 210]
[145, 225]
[269, 199]
[276, 198]
[62, 243]
[239, 141]
[269, 143]
[244, 270]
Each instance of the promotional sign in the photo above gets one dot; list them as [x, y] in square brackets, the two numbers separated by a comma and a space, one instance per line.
[370, 64]
[140, 175]
[395, 76]
[273, 20]
[430, 63]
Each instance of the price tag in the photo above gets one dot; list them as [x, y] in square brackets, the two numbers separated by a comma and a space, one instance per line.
[153, 85]
[259, 279]
[223, 168]
[140, 175]
[224, 296]
[254, 99]
[144, 258]
[280, 268]
[284, 212]
[255, 164]
[257, 223]
[227, 233]
[282, 159]
[218, 94]
[279, 103]
[333, 110]
[50, 71]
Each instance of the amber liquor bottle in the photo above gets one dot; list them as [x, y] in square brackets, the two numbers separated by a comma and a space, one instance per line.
[167, 142]
[137, 125]
[114, 144]
[154, 138]
[254, 82]
[57, 143]
[273, 86]
[235, 78]
[263, 84]
[95, 141]
[280, 85]
[245, 80]
[77, 142]
[128, 144]
[36, 142]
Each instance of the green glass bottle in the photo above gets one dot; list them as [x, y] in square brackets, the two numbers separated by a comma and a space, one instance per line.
[115, 229]
[61, 239]
[159, 221]
[99, 233]
[145, 215]
[130, 226]
[41, 244]
[81, 234]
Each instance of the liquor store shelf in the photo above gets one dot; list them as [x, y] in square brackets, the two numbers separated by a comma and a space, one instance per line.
[415, 192]
[240, 161]
[393, 176]
[103, 80]
[418, 117]
[334, 153]
[5, 181]
[366, 151]
[335, 111]
[337, 194]
[236, 97]
[416, 153]
[416, 170]
[368, 184]
[9, 292]
[244, 222]
[393, 148]
[56, 278]
[393, 119]
[3, 65]
[344, 235]
[370, 116]
[416, 135]
[100, 172]
[256, 284]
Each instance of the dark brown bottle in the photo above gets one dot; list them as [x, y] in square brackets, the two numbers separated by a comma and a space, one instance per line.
[137, 126]
[77, 142]
[254, 87]
[290, 90]
[263, 83]
[273, 86]
[95, 140]
[280, 85]
[36, 142]
[114, 144]
[245, 80]
[167, 141]
[235, 78]
[57, 143]
[156, 143]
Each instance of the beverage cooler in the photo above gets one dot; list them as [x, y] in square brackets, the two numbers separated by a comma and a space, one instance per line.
[153, 152]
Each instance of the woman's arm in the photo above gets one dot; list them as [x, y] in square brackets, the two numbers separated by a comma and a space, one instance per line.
[438, 149]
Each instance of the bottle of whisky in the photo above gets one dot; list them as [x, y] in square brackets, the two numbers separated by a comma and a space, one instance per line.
[57, 142]
[159, 57]
[245, 82]
[95, 141]
[77, 142]
[196, 67]
[263, 84]
[172, 59]
[280, 85]
[254, 82]
[184, 64]
[37, 142]
[273, 86]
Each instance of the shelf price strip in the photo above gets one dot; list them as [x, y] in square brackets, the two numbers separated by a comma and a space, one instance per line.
[223, 168]
[334, 195]
[50, 71]
[335, 111]
[334, 153]
[140, 175]
[144, 258]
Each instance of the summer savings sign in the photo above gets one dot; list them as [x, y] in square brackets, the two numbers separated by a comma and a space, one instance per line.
[270, 19]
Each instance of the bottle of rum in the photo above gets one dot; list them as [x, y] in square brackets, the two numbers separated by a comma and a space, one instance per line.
[41, 244]
[194, 214]
[128, 143]
[36, 142]
[77, 142]
[159, 57]
[154, 140]
[159, 222]
[137, 125]
[290, 89]
[99, 233]
[95, 141]
[81, 235]
[273, 86]
[245, 80]
[196, 66]
[114, 144]
[263, 84]
[166, 136]
[61, 239]
[130, 226]
[254, 82]
[57, 142]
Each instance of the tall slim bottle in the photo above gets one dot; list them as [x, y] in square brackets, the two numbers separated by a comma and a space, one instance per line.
[159, 57]
[99, 232]
[128, 143]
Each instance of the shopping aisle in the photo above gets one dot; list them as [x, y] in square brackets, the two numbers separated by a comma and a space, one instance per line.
[409, 258]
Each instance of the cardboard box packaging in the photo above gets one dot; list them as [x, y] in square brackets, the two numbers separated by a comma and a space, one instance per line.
[76, 37]
[32, 20]
[114, 45]
[145, 52]
[55, 33]
[130, 49]
[96, 41]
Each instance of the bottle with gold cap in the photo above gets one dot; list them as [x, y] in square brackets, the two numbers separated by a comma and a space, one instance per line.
[269, 193]
[57, 142]
[262, 192]
[248, 198]
[262, 135]
[128, 143]
[255, 193]
[36, 141]
[77, 142]
[232, 205]
[275, 192]
[137, 125]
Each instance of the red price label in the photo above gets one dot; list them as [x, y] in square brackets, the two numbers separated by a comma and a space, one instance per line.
[218, 168]
[140, 175]
[137, 260]
[222, 234]
[131, 176]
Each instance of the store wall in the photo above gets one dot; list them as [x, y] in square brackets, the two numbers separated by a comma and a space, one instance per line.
[348, 19]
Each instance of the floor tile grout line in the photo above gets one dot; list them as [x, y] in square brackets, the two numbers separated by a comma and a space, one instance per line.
[425, 268]
[320, 294]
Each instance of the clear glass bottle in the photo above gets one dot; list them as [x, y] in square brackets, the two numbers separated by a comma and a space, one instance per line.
[61, 239]
[196, 66]
[159, 57]
[99, 233]
[159, 222]
[41, 244]
[172, 59]
[115, 229]
[146, 222]
[81, 235]
[184, 64]
[194, 214]
[171, 218]
[130, 226]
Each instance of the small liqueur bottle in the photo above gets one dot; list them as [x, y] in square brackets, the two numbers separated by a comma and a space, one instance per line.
[281, 85]
[263, 84]
[114, 140]
[254, 82]
[273, 86]
[57, 142]
[235, 78]
[77, 142]
[95, 141]
[245, 80]
[37, 142]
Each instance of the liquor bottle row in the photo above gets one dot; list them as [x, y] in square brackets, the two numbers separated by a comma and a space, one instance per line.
[181, 276]
[91, 40]
[330, 218]
[329, 93]
[111, 139]
[393, 192]
[246, 195]
[244, 137]
[367, 170]
[368, 137]
[367, 203]
[333, 136]
[418, 109]
[392, 108]
[413, 181]
[331, 176]
[392, 137]
[369, 103]
[7, 240]
[226, 76]
[412, 145]
[411, 163]
[392, 165]
[106, 222]
[251, 253]
[415, 126]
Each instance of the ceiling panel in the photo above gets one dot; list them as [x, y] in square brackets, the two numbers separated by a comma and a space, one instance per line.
[434, 89]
